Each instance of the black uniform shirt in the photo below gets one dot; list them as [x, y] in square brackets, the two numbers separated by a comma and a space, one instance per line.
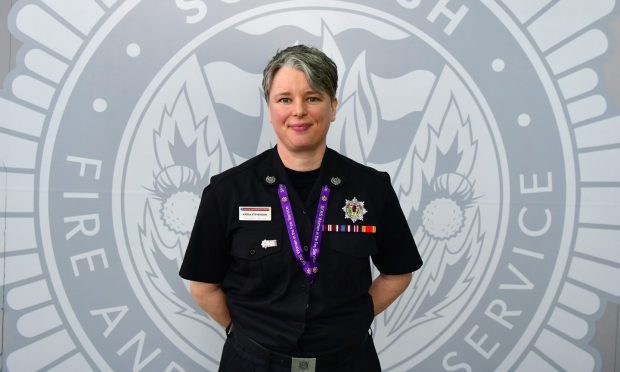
[269, 297]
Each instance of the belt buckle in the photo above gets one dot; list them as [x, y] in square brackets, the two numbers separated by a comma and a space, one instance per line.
[303, 364]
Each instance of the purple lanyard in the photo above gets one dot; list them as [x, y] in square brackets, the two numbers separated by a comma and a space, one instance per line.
[311, 266]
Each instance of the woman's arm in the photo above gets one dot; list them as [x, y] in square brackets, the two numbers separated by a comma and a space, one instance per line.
[386, 288]
[212, 299]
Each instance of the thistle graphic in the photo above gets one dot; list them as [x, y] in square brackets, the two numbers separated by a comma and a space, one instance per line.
[435, 181]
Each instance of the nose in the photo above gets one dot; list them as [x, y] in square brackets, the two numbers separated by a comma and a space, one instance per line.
[299, 108]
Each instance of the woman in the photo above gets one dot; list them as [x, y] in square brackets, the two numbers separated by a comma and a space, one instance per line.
[281, 247]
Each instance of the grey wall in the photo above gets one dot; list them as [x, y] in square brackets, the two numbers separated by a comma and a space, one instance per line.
[606, 337]
[8, 44]
[8, 49]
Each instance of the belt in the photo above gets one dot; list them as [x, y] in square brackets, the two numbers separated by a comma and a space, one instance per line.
[284, 360]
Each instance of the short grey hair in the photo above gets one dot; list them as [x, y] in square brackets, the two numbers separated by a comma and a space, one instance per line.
[320, 70]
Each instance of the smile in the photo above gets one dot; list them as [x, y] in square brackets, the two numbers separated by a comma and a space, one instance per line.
[300, 127]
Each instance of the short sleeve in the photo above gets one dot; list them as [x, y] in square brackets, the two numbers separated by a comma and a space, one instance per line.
[207, 257]
[398, 253]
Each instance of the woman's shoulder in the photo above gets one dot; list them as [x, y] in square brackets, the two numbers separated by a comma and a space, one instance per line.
[241, 172]
[354, 168]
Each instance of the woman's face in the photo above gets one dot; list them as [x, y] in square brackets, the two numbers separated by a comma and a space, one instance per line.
[300, 115]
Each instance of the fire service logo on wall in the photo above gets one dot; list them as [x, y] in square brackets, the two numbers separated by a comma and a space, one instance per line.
[489, 116]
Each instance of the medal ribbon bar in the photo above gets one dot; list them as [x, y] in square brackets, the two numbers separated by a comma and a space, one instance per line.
[367, 229]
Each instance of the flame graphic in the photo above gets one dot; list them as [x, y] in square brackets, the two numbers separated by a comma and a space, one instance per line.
[357, 121]
[182, 139]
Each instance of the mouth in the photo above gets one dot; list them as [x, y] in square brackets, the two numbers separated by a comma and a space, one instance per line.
[300, 127]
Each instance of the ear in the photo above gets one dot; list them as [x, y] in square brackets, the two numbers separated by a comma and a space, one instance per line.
[334, 103]
[268, 109]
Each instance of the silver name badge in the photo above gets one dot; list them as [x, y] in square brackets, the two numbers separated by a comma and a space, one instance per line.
[303, 365]
[269, 243]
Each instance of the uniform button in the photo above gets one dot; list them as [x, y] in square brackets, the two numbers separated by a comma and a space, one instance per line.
[307, 306]
[304, 211]
[252, 251]
[305, 248]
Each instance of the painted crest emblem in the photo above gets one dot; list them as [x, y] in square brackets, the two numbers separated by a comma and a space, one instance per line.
[354, 210]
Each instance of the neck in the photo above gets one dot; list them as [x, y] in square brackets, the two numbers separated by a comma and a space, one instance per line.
[301, 161]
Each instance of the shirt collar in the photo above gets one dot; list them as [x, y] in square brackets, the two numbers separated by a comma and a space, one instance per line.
[330, 174]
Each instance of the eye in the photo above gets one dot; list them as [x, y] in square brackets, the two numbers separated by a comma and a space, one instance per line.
[284, 100]
[314, 99]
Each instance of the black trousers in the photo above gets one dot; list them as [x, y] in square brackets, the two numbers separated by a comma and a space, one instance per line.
[236, 359]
